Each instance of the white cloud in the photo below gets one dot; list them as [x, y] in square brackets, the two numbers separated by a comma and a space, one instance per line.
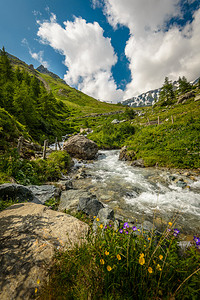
[153, 50]
[89, 56]
[36, 55]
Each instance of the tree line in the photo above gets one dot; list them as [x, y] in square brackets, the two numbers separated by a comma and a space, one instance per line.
[24, 96]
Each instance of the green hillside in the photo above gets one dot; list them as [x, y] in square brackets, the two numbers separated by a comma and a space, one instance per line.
[77, 102]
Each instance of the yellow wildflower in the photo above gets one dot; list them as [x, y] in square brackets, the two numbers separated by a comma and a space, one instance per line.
[101, 226]
[119, 257]
[109, 268]
[94, 217]
[160, 257]
[145, 246]
[149, 238]
[102, 262]
[150, 270]
[36, 290]
[38, 281]
[97, 219]
[106, 252]
[170, 223]
[141, 259]
[158, 267]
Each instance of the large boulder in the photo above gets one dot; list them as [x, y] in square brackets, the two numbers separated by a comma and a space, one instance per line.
[30, 233]
[80, 147]
[17, 192]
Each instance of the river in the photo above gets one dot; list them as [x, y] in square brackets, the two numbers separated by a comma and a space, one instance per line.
[143, 193]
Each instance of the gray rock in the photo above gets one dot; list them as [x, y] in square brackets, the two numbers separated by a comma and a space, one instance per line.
[138, 163]
[90, 205]
[18, 193]
[80, 147]
[69, 200]
[181, 184]
[30, 233]
[126, 154]
[115, 121]
[45, 192]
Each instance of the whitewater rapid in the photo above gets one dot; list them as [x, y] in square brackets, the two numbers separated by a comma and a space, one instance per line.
[144, 193]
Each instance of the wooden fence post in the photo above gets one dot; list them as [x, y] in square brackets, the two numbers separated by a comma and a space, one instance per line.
[19, 145]
[45, 149]
[172, 119]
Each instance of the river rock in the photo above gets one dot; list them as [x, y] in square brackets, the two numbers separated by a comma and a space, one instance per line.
[80, 147]
[45, 192]
[17, 192]
[30, 233]
[69, 200]
[138, 163]
[126, 154]
[90, 205]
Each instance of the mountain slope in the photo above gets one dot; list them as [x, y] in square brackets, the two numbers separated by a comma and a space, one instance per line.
[77, 102]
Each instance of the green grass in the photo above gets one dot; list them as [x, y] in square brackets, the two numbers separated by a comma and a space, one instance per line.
[77, 102]
[125, 264]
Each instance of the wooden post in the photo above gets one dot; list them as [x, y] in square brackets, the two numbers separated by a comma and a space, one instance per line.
[59, 146]
[56, 144]
[19, 145]
[172, 119]
[158, 120]
[45, 149]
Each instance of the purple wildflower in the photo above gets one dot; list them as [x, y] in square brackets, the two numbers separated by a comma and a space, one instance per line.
[197, 241]
[110, 225]
[126, 232]
[121, 231]
[106, 227]
[126, 225]
[176, 232]
[134, 228]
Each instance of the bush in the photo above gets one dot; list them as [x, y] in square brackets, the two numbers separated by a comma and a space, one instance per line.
[35, 172]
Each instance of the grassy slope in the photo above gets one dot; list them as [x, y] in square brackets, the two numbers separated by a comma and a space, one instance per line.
[170, 145]
[79, 103]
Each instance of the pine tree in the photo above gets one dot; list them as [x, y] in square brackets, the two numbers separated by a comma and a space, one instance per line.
[184, 85]
[167, 95]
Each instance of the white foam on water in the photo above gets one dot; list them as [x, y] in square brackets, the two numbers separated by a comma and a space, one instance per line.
[166, 199]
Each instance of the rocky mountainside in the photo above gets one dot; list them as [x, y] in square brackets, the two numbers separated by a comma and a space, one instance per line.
[150, 97]
[45, 71]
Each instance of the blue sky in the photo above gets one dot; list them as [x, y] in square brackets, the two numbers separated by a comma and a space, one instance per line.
[109, 49]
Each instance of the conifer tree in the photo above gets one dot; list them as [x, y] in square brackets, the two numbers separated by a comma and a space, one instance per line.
[167, 95]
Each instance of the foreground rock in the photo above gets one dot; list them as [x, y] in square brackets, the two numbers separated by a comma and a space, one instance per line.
[80, 147]
[29, 235]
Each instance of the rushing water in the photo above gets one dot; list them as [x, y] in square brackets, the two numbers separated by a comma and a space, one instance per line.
[144, 193]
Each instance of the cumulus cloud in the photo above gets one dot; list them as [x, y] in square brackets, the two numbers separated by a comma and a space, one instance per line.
[89, 56]
[36, 55]
[154, 49]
